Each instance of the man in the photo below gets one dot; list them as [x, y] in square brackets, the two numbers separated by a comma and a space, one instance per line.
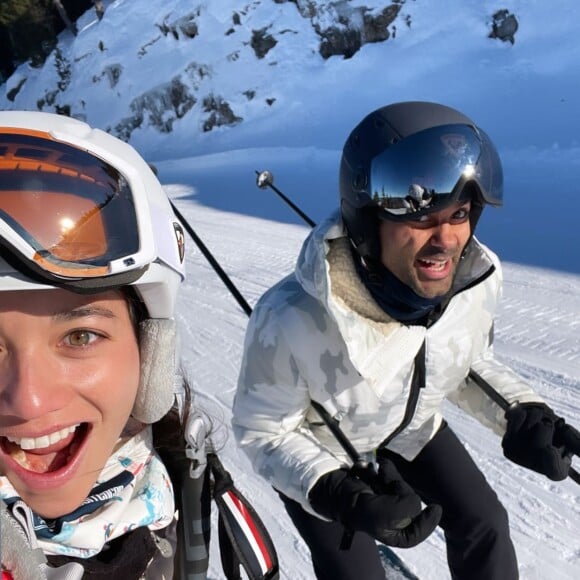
[390, 307]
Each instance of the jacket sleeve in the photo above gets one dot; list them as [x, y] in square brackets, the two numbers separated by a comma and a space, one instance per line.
[269, 412]
[502, 378]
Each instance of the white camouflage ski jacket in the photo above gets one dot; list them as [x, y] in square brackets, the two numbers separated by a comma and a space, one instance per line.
[318, 335]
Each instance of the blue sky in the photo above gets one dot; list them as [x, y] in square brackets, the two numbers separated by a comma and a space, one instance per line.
[525, 95]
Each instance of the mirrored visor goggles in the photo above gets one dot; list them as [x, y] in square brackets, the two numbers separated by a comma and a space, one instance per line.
[65, 213]
[428, 170]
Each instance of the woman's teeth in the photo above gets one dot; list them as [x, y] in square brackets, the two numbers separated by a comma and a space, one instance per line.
[28, 443]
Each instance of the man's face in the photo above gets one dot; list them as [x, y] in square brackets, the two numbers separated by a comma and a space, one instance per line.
[424, 253]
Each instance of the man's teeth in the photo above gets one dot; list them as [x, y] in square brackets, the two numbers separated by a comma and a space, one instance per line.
[45, 440]
[435, 264]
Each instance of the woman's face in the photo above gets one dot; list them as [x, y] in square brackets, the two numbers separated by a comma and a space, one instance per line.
[69, 373]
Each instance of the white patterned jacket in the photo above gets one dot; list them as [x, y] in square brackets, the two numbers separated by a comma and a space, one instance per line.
[318, 335]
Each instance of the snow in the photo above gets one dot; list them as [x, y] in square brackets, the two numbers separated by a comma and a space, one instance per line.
[525, 96]
[537, 333]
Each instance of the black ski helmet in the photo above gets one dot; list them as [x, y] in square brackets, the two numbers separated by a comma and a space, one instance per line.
[411, 158]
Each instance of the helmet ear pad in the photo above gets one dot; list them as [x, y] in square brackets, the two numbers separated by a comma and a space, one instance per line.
[362, 225]
[157, 346]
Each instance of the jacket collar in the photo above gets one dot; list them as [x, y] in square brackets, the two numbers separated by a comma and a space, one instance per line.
[326, 270]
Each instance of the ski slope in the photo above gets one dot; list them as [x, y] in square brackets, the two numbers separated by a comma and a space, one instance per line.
[537, 334]
[524, 95]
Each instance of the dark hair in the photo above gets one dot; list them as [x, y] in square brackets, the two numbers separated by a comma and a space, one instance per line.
[137, 309]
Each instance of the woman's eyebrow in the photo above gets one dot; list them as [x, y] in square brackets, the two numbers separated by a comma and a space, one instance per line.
[83, 312]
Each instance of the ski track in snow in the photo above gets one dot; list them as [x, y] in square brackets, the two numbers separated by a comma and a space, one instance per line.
[537, 333]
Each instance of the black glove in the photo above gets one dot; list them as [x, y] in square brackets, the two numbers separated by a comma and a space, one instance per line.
[538, 439]
[389, 511]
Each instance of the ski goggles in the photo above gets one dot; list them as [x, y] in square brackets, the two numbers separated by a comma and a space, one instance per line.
[427, 171]
[69, 217]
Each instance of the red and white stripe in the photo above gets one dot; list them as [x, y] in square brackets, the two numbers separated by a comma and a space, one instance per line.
[245, 521]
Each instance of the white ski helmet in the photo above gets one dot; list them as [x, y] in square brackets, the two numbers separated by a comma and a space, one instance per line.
[81, 210]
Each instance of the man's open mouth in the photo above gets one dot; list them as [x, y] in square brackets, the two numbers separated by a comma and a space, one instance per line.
[433, 265]
[48, 453]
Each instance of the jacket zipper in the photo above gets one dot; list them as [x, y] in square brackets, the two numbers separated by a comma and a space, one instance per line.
[417, 383]
[419, 374]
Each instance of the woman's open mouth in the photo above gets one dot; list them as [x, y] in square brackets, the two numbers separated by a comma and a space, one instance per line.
[48, 453]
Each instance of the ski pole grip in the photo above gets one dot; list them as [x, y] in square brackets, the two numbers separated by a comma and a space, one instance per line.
[570, 437]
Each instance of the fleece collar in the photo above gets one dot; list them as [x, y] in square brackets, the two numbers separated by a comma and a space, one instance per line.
[326, 270]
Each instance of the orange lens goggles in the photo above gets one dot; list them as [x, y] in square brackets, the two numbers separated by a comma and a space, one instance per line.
[70, 212]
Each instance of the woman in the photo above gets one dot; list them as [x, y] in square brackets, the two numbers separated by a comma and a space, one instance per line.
[91, 261]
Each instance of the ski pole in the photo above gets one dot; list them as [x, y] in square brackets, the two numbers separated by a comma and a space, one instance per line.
[330, 422]
[361, 468]
[213, 262]
[570, 437]
[338, 433]
[266, 179]
[193, 552]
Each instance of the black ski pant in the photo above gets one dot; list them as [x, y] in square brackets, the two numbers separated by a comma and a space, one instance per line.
[474, 521]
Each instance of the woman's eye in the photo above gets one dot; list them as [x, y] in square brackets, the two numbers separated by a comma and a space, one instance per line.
[81, 338]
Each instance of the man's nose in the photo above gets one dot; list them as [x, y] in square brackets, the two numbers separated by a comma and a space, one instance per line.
[443, 235]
